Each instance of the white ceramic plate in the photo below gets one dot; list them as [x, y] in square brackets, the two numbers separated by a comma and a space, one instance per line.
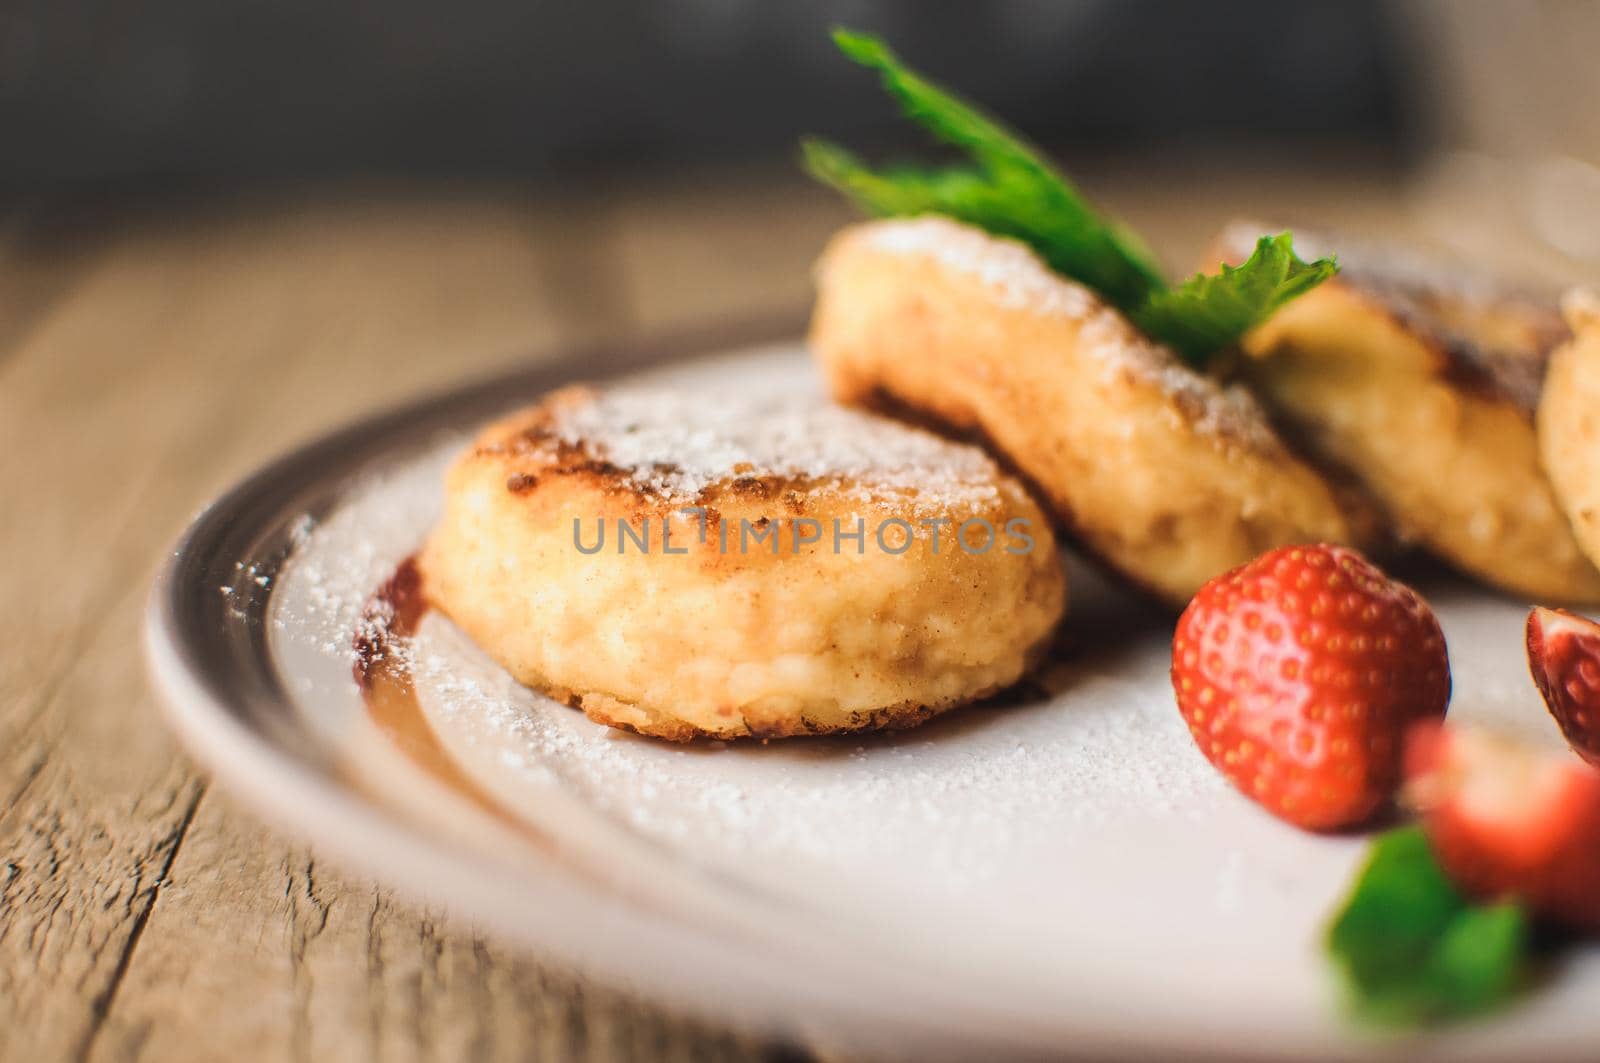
[1057, 873]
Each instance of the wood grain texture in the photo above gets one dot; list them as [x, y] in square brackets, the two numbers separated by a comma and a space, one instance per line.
[339, 970]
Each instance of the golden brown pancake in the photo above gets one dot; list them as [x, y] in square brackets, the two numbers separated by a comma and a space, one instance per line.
[1156, 469]
[1421, 380]
[1569, 420]
[765, 568]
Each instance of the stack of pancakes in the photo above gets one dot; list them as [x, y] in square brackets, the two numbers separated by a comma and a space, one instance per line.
[1396, 404]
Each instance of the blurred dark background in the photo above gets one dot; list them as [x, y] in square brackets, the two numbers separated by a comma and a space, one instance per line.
[97, 94]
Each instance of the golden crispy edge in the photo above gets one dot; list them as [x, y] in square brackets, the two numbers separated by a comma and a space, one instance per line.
[1569, 421]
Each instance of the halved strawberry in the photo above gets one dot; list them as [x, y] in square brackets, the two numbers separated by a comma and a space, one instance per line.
[1564, 656]
[1298, 675]
[1508, 821]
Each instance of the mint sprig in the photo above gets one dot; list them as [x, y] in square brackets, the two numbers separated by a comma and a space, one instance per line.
[1211, 311]
[1009, 189]
[1412, 950]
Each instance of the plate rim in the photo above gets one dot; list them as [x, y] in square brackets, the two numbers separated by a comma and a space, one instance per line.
[228, 731]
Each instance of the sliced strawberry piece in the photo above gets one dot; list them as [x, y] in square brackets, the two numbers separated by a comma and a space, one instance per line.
[1298, 675]
[1564, 656]
[1508, 821]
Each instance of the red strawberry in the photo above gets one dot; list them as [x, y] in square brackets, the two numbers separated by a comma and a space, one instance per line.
[1564, 656]
[1298, 675]
[1505, 820]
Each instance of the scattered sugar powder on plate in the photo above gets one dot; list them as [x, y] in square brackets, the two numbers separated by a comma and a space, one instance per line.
[992, 793]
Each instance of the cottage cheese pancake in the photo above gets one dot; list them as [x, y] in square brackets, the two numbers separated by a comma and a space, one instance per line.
[1156, 469]
[714, 565]
[1569, 420]
[1421, 378]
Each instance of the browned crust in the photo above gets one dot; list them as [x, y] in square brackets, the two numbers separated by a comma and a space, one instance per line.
[1487, 338]
[528, 442]
[1466, 361]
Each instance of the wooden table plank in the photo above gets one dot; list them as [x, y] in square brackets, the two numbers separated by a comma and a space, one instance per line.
[336, 969]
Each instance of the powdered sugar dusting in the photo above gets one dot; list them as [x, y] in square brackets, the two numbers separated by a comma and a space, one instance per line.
[680, 443]
[1015, 273]
[1021, 281]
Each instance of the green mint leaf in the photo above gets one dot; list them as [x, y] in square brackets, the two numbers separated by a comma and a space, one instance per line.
[1413, 950]
[1211, 311]
[1479, 961]
[890, 193]
[1009, 189]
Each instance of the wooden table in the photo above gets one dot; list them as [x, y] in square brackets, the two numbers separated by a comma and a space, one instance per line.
[151, 354]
